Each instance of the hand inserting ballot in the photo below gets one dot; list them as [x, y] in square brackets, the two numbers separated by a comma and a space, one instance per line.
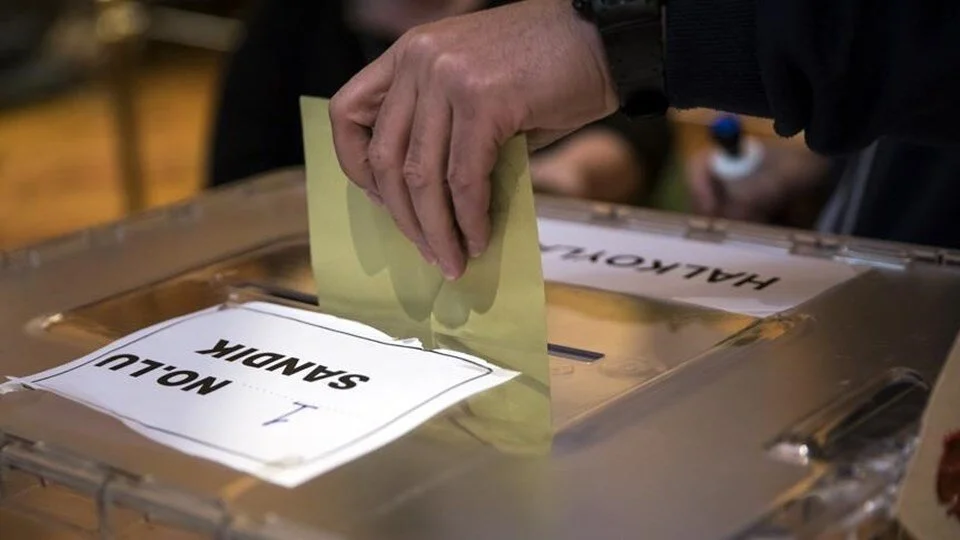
[420, 128]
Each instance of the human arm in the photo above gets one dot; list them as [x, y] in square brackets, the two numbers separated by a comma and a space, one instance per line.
[427, 118]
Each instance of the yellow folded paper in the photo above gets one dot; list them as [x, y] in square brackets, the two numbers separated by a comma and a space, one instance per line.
[367, 271]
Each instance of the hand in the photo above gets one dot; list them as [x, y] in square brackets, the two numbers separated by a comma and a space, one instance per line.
[420, 128]
[596, 164]
[786, 170]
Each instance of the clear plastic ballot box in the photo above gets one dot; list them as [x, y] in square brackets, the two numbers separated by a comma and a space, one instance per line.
[687, 401]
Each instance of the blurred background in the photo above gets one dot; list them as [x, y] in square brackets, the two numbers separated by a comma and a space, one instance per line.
[106, 109]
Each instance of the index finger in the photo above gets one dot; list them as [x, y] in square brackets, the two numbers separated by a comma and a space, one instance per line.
[353, 113]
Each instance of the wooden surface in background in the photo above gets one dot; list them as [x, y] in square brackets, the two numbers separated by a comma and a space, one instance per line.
[58, 168]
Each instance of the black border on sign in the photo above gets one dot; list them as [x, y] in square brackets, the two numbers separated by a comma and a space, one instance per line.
[487, 371]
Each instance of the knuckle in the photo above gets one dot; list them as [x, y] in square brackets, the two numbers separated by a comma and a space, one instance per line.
[449, 64]
[415, 176]
[472, 86]
[381, 157]
[421, 43]
[465, 86]
[338, 106]
[459, 182]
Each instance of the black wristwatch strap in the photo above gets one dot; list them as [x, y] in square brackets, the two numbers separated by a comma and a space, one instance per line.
[632, 35]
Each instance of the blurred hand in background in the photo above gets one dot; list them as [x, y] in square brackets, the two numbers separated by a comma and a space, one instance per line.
[597, 164]
[788, 171]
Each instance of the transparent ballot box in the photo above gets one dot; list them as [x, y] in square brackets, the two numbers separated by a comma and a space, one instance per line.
[672, 417]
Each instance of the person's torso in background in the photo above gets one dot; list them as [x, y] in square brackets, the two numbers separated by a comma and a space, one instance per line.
[900, 191]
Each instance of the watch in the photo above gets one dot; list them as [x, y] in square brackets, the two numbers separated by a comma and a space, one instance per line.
[632, 36]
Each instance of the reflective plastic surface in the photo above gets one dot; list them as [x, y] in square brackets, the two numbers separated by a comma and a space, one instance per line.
[664, 435]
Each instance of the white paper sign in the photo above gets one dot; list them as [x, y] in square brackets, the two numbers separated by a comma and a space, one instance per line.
[718, 276]
[280, 393]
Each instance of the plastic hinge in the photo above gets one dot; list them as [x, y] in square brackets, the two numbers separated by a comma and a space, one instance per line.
[57, 248]
[706, 230]
[874, 255]
[814, 245]
[109, 486]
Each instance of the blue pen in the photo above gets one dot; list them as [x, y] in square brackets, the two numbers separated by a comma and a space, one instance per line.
[736, 156]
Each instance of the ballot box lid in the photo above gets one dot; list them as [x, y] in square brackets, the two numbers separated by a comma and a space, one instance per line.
[676, 415]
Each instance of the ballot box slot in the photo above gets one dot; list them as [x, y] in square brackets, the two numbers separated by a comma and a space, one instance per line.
[276, 291]
[573, 353]
[311, 301]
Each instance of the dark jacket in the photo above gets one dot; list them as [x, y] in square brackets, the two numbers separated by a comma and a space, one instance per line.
[874, 84]
[899, 191]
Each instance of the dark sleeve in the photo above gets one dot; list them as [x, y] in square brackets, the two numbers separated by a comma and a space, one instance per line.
[256, 120]
[291, 48]
[845, 72]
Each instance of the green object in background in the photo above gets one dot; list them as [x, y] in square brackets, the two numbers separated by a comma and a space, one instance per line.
[669, 193]
[367, 271]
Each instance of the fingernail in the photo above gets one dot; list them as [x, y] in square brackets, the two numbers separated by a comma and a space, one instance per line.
[474, 249]
[448, 271]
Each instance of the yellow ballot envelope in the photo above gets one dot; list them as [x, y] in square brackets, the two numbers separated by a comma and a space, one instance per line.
[367, 271]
